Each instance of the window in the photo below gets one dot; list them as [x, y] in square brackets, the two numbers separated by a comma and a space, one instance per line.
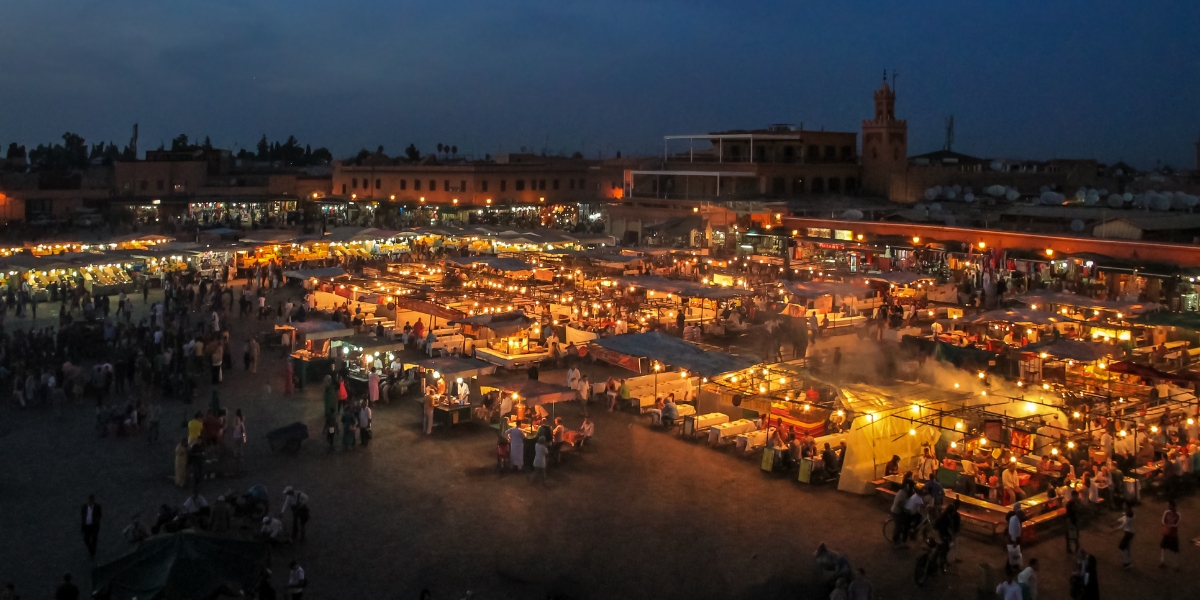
[542, 184]
[798, 185]
[847, 152]
[818, 185]
[483, 185]
[571, 181]
[145, 184]
[403, 184]
[583, 184]
[777, 186]
[343, 189]
[520, 185]
[789, 153]
[378, 184]
[851, 184]
[813, 154]
[354, 183]
[417, 184]
[830, 153]
[159, 184]
[366, 183]
[445, 185]
[835, 184]
[503, 185]
[554, 185]
[462, 185]
[433, 185]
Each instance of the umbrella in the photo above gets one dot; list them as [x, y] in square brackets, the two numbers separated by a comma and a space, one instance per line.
[183, 566]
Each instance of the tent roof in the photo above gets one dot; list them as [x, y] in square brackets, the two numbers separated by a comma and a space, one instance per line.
[319, 330]
[676, 352]
[683, 288]
[306, 273]
[533, 391]
[451, 366]
[183, 566]
[1187, 320]
[493, 262]
[501, 323]
[816, 289]
[1019, 315]
[1085, 301]
[899, 277]
[1071, 349]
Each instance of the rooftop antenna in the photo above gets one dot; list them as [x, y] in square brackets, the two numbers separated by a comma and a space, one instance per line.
[949, 134]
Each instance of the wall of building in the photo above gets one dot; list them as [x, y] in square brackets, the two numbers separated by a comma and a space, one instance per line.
[910, 185]
[471, 185]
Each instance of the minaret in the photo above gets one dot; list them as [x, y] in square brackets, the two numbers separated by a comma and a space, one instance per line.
[884, 144]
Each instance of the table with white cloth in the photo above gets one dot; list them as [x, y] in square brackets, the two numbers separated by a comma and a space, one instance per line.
[723, 431]
[753, 440]
[697, 423]
[685, 410]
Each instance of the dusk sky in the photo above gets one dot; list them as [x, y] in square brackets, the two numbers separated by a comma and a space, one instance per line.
[1069, 78]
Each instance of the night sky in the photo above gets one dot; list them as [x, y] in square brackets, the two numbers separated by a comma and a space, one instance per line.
[1062, 78]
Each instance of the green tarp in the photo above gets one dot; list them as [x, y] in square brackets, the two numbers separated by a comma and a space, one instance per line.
[182, 566]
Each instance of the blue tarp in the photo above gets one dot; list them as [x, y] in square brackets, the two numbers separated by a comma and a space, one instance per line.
[306, 273]
[675, 352]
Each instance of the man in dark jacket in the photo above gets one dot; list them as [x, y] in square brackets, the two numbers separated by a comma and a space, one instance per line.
[89, 516]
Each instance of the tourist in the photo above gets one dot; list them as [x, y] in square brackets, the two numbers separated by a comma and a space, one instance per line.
[427, 406]
[237, 440]
[1029, 579]
[893, 466]
[586, 431]
[1009, 589]
[349, 422]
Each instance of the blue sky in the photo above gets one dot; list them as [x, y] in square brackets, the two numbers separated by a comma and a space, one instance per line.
[1105, 79]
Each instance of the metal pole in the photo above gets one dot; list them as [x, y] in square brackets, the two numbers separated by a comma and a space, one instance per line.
[692, 151]
[720, 150]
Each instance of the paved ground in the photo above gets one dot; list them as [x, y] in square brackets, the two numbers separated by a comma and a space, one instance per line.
[642, 515]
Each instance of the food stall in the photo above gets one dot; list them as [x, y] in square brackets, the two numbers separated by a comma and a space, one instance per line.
[451, 407]
[310, 343]
[503, 339]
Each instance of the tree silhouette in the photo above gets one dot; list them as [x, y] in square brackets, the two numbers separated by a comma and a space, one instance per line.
[454, 150]
[412, 153]
[439, 147]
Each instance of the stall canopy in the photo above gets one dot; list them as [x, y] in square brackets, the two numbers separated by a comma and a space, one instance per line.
[535, 392]
[675, 352]
[428, 308]
[370, 343]
[501, 324]
[318, 273]
[682, 288]
[183, 566]
[1047, 297]
[508, 265]
[1071, 350]
[1020, 315]
[322, 330]
[1186, 320]
[816, 289]
[899, 277]
[453, 367]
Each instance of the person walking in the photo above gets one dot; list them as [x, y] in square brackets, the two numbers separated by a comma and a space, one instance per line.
[181, 463]
[90, 515]
[297, 502]
[364, 423]
[254, 351]
[237, 440]
[297, 581]
[427, 410]
[540, 450]
[349, 422]
[373, 386]
[1028, 579]
[1169, 546]
[1127, 526]
[516, 447]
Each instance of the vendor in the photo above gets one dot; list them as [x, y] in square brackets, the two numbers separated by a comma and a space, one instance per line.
[1011, 481]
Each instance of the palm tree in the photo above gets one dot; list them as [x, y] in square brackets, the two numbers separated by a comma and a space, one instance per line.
[439, 147]
[454, 150]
